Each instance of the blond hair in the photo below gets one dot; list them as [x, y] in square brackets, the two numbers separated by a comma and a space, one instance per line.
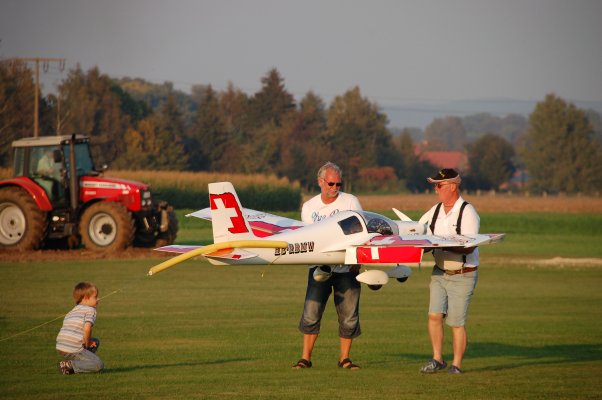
[83, 290]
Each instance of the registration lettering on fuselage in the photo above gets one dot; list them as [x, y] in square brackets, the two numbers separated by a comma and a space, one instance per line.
[295, 248]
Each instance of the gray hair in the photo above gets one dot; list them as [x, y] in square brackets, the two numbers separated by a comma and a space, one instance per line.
[327, 166]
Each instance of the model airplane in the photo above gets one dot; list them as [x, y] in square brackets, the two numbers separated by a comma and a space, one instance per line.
[248, 237]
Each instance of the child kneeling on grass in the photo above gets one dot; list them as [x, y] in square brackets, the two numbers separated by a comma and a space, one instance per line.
[74, 341]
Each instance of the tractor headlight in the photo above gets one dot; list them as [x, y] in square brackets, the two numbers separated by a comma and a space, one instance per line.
[146, 200]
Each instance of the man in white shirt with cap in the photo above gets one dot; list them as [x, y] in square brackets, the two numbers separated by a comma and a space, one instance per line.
[455, 274]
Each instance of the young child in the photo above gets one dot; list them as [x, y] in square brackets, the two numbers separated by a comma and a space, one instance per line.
[74, 341]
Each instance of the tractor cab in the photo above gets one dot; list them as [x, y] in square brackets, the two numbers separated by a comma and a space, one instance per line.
[46, 161]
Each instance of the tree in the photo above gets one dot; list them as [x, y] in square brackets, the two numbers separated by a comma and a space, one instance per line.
[91, 106]
[207, 134]
[511, 127]
[407, 153]
[445, 134]
[156, 142]
[490, 160]
[16, 106]
[269, 109]
[234, 110]
[152, 146]
[170, 136]
[272, 102]
[356, 133]
[596, 120]
[304, 150]
[415, 170]
[561, 153]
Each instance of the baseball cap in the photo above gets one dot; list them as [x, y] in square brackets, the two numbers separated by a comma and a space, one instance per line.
[445, 175]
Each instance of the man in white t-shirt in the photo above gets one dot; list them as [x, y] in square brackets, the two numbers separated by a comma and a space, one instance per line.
[341, 278]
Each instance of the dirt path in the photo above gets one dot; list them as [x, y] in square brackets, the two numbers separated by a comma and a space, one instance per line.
[79, 254]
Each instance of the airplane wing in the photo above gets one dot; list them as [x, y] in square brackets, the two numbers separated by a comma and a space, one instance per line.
[220, 250]
[262, 223]
[226, 253]
[177, 248]
[435, 241]
[409, 249]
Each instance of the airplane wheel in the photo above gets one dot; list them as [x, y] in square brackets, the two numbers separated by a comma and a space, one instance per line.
[375, 287]
[402, 280]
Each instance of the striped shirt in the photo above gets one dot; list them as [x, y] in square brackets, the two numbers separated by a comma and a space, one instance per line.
[71, 336]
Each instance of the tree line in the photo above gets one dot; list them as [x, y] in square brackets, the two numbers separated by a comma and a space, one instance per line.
[135, 124]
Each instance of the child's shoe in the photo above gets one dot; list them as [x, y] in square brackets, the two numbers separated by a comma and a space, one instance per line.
[66, 368]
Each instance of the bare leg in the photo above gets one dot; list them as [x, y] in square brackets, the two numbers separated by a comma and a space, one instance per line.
[308, 345]
[435, 327]
[345, 348]
[459, 339]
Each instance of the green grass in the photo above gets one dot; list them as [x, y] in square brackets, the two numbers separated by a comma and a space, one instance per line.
[198, 331]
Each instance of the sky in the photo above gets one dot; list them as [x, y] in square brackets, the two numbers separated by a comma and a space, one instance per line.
[396, 51]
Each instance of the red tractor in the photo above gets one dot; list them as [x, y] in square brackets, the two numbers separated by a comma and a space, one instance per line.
[52, 198]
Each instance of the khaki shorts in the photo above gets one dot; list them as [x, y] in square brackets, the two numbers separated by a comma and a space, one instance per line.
[450, 295]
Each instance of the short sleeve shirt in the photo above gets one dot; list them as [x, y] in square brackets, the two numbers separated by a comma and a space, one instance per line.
[71, 336]
[446, 225]
[314, 210]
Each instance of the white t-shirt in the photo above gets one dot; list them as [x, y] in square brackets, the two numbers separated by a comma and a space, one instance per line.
[314, 210]
[446, 225]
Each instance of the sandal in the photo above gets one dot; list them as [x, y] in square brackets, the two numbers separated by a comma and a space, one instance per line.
[348, 364]
[302, 363]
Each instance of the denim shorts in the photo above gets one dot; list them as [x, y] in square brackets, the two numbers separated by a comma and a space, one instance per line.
[451, 294]
[346, 300]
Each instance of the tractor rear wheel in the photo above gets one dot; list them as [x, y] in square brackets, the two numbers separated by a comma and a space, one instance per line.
[107, 226]
[22, 223]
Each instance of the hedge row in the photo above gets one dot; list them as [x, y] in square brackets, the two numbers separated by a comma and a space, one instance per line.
[257, 197]
[188, 190]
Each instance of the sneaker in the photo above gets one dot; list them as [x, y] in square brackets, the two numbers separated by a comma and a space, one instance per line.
[454, 370]
[433, 366]
[66, 368]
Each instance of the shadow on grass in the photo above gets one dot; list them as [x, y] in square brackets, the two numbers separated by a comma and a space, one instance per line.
[168, 365]
[531, 355]
[524, 355]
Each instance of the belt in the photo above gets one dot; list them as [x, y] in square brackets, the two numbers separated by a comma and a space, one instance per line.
[458, 271]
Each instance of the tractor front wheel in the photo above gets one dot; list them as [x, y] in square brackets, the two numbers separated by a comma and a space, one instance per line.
[107, 226]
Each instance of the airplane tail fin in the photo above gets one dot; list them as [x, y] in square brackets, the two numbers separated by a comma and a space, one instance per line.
[407, 226]
[227, 214]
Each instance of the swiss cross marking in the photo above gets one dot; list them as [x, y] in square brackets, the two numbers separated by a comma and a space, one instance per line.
[227, 204]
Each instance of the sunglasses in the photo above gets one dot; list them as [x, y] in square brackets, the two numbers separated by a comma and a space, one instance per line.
[331, 184]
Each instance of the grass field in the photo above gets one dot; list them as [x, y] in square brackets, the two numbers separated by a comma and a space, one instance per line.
[203, 332]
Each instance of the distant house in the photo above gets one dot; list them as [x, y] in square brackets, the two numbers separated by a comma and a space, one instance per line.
[519, 180]
[446, 159]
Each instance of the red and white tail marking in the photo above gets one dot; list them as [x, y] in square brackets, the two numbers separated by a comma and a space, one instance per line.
[228, 220]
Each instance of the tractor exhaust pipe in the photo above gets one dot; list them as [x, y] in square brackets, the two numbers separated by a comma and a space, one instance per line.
[73, 180]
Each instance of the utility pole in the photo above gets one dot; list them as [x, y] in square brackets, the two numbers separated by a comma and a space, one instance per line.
[46, 61]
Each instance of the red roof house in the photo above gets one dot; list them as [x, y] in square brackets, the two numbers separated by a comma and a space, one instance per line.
[446, 159]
